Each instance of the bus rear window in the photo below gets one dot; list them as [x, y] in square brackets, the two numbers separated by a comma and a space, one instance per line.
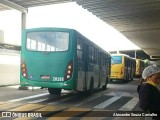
[47, 41]
[116, 60]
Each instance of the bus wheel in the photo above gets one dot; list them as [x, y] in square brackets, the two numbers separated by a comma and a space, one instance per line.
[90, 91]
[110, 80]
[105, 86]
[55, 91]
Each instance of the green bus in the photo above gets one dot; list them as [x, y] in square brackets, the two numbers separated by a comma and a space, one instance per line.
[61, 58]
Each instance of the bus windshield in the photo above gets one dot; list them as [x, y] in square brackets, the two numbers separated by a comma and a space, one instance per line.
[47, 41]
[116, 60]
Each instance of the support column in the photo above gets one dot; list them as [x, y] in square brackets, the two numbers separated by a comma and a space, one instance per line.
[135, 54]
[23, 26]
[23, 20]
[13, 5]
[23, 11]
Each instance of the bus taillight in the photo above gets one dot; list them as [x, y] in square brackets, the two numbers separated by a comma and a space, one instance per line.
[24, 70]
[69, 71]
[122, 70]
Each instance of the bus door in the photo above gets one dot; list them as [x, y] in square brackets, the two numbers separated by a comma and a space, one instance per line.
[86, 59]
[100, 67]
[103, 69]
[125, 68]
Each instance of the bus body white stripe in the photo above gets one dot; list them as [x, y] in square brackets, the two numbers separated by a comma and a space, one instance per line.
[130, 105]
[107, 102]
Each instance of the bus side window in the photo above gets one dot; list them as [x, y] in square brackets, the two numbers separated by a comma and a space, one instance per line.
[93, 57]
[106, 60]
[90, 54]
[103, 59]
[96, 57]
[125, 62]
[99, 58]
[80, 55]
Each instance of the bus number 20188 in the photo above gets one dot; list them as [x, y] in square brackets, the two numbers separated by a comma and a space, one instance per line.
[58, 78]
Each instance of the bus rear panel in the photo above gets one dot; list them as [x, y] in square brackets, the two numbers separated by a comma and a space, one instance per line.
[46, 58]
[117, 67]
[121, 67]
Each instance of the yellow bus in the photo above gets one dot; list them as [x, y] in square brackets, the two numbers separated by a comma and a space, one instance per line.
[140, 65]
[122, 67]
[133, 67]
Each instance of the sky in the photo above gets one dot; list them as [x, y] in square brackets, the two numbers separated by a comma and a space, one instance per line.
[10, 23]
[66, 15]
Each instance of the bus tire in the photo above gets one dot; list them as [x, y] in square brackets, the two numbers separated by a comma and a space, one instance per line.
[105, 86]
[110, 80]
[56, 91]
[91, 86]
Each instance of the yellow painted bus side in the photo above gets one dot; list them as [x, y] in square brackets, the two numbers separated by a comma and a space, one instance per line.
[120, 67]
[139, 67]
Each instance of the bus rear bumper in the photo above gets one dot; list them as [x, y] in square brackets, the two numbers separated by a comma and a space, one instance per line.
[117, 77]
[62, 85]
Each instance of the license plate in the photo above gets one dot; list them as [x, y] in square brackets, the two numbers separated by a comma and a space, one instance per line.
[45, 77]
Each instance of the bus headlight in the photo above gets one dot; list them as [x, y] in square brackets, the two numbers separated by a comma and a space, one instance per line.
[68, 76]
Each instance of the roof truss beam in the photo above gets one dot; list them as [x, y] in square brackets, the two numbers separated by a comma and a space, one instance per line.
[12, 5]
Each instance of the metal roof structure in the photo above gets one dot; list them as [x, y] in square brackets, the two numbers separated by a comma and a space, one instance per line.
[138, 20]
[138, 54]
[8, 4]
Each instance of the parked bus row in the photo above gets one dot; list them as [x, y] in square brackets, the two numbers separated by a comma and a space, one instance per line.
[60, 58]
[124, 67]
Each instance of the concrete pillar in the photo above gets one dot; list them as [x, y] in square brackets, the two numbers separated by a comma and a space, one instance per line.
[23, 20]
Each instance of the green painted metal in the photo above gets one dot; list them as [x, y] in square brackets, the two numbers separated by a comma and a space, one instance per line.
[52, 64]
